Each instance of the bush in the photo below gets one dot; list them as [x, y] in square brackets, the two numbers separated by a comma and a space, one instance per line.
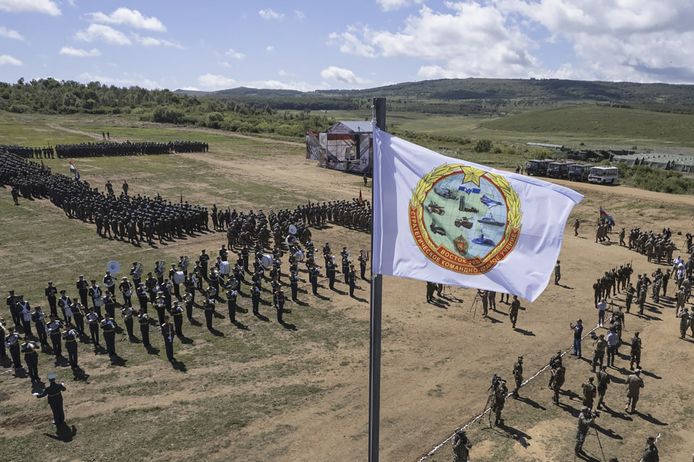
[483, 146]
[168, 115]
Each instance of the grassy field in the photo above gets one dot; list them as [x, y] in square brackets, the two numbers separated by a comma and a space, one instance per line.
[269, 393]
[593, 125]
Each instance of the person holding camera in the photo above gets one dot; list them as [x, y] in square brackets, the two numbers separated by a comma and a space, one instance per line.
[461, 447]
[585, 422]
[650, 454]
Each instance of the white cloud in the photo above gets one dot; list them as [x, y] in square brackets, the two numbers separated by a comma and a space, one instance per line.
[271, 15]
[299, 15]
[234, 54]
[279, 85]
[125, 81]
[638, 40]
[30, 6]
[10, 34]
[9, 60]
[391, 5]
[207, 82]
[269, 48]
[104, 33]
[156, 42]
[470, 40]
[342, 75]
[215, 82]
[351, 44]
[128, 17]
[79, 52]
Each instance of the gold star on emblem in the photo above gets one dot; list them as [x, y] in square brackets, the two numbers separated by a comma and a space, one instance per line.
[472, 175]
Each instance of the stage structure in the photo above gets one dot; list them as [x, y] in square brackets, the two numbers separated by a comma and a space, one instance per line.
[346, 146]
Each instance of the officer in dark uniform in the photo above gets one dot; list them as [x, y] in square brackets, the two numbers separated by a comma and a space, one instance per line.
[313, 276]
[232, 294]
[40, 321]
[55, 399]
[160, 307]
[108, 326]
[255, 298]
[177, 312]
[52, 294]
[513, 311]
[70, 336]
[188, 299]
[143, 320]
[12, 343]
[93, 321]
[3, 334]
[12, 306]
[168, 332]
[351, 280]
[54, 333]
[83, 289]
[127, 314]
[204, 259]
[294, 285]
[330, 271]
[209, 312]
[279, 305]
[31, 357]
[518, 376]
[362, 265]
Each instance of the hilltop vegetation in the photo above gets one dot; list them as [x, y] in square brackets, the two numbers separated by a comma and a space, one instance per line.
[476, 96]
[50, 96]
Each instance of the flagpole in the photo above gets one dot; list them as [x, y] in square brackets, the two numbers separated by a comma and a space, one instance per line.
[376, 296]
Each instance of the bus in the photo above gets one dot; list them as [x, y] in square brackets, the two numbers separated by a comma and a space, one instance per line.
[604, 175]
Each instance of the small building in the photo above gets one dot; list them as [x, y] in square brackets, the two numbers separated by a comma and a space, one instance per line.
[346, 146]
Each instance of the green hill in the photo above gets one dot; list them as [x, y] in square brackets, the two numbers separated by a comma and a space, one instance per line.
[477, 96]
[599, 121]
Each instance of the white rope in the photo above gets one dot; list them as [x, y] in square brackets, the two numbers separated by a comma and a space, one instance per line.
[475, 419]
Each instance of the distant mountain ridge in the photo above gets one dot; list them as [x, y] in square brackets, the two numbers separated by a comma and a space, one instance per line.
[475, 95]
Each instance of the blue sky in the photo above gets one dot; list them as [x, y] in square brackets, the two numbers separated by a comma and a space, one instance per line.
[307, 45]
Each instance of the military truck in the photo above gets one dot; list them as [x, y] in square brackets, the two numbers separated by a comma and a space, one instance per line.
[579, 172]
[537, 167]
[558, 169]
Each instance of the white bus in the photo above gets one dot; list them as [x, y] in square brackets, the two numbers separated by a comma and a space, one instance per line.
[604, 175]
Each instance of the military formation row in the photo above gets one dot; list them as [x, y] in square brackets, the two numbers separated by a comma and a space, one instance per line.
[133, 219]
[106, 148]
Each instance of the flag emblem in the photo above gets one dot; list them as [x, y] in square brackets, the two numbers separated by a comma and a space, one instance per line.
[465, 233]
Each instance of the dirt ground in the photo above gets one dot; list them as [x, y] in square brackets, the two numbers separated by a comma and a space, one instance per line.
[273, 394]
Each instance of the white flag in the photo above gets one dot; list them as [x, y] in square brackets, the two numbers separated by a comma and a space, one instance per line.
[445, 220]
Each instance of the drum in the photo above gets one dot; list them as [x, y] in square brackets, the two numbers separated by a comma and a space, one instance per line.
[266, 261]
[179, 277]
[128, 293]
[224, 268]
[299, 256]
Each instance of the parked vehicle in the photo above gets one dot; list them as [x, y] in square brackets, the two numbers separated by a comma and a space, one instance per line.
[604, 175]
[579, 172]
[558, 170]
[537, 167]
